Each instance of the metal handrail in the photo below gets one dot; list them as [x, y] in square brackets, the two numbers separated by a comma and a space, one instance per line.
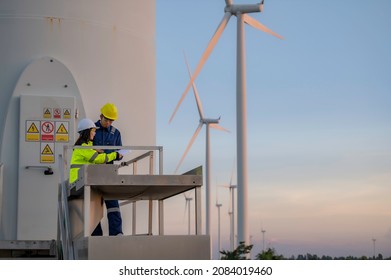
[132, 148]
[135, 161]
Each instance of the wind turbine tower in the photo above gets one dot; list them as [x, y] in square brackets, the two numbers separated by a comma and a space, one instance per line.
[263, 239]
[218, 205]
[231, 211]
[232, 216]
[374, 247]
[241, 12]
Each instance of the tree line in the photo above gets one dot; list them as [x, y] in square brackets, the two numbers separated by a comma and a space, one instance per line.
[242, 251]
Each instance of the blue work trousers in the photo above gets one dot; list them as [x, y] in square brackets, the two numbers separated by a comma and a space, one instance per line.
[114, 217]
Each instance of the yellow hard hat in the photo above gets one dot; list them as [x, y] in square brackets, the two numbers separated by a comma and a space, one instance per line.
[109, 110]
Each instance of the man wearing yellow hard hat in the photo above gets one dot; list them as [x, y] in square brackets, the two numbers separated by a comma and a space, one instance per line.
[108, 135]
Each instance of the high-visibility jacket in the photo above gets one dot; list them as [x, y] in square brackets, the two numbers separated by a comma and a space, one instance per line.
[87, 156]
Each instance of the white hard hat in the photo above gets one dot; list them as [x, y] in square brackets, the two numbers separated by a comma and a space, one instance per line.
[85, 124]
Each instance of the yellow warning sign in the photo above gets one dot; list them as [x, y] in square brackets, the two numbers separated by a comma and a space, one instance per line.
[32, 131]
[47, 113]
[67, 113]
[47, 152]
[62, 131]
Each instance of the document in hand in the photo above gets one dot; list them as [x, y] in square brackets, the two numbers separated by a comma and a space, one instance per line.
[124, 152]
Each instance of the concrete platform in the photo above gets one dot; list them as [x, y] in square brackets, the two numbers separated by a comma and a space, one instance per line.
[166, 247]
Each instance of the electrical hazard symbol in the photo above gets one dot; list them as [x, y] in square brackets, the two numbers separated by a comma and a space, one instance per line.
[62, 134]
[47, 152]
[32, 131]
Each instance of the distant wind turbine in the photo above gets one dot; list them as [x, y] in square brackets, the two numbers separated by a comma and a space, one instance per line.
[241, 13]
[218, 205]
[210, 123]
[231, 211]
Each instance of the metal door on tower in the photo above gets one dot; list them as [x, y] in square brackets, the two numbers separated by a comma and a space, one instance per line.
[46, 125]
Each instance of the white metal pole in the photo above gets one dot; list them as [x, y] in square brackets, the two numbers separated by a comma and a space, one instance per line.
[233, 215]
[207, 181]
[243, 234]
[230, 231]
[263, 239]
[218, 230]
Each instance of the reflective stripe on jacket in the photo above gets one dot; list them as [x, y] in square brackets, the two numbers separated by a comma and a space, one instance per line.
[87, 156]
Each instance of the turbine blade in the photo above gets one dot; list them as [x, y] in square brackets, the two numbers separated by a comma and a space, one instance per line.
[196, 96]
[204, 57]
[256, 24]
[189, 146]
[218, 127]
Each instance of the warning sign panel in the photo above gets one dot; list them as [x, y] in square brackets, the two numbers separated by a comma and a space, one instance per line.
[62, 131]
[67, 113]
[47, 113]
[47, 152]
[47, 131]
[32, 131]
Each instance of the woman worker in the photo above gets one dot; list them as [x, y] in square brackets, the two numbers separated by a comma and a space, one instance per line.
[87, 129]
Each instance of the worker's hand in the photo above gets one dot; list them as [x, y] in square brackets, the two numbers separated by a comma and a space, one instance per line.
[99, 151]
[119, 156]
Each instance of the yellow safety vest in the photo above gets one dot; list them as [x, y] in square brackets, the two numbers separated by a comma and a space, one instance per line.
[87, 156]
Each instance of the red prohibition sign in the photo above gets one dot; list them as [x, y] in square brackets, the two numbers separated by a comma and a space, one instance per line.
[47, 127]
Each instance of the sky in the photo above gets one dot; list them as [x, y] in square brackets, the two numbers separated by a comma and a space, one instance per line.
[318, 120]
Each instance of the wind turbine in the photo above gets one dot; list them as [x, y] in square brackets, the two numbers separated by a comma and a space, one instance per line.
[263, 239]
[231, 211]
[210, 123]
[241, 12]
[218, 205]
[187, 205]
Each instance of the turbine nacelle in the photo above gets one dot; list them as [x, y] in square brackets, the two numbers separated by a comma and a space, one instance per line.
[209, 121]
[244, 9]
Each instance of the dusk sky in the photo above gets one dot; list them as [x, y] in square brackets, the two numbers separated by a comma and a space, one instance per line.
[319, 120]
